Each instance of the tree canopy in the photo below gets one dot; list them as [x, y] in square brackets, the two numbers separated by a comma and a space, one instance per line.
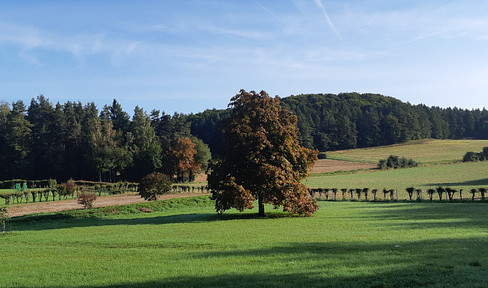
[262, 159]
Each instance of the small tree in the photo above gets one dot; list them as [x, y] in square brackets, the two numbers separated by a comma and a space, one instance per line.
[473, 193]
[358, 192]
[334, 193]
[440, 191]
[450, 193]
[419, 194]
[482, 192]
[154, 184]
[410, 191]
[430, 192]
[366, 191]
[87, 199]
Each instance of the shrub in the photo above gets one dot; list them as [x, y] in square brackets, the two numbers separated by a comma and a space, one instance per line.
[154, 184]
[395, 162]
[322, 155]
[473, 157]
[87, 199]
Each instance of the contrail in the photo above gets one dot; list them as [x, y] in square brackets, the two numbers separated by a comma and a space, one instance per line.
[269, 11]
[322, 7]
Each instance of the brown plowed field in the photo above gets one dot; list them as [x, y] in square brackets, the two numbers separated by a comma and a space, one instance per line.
[56, 206]
[329, 165]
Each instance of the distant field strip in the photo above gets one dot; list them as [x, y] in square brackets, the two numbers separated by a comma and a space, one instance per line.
[424, 151]
[329, 165]
[459, 175]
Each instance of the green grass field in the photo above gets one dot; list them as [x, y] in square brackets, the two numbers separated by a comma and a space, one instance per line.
[186, 244]
[429, 151]
[458, 176]
[452, 173]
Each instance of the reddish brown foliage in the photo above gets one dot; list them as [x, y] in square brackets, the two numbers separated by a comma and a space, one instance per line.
[87, 199]
[262, 159]
[184, 158]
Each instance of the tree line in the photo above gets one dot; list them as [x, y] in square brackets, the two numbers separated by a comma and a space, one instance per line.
[72, 140]
[328, 122]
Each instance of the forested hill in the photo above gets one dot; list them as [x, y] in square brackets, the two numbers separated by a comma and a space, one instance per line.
[45, 140]
[350, 120]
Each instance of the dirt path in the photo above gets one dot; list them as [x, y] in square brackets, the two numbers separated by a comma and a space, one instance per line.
[56, 206]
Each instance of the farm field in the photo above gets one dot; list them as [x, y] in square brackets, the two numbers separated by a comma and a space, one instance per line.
[429, 151]
[184, 243]
[452, 173]
[457, 176]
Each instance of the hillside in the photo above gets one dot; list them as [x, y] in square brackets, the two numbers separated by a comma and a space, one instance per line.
[329, 122]
[348, 168]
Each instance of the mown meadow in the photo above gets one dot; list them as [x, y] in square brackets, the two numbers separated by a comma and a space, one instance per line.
[426, 151]
[184, 243]
[440, 165]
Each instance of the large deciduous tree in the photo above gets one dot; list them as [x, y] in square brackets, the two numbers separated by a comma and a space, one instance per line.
[262, 159]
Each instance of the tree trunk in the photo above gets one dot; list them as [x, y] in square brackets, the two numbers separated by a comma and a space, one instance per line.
[261, 206]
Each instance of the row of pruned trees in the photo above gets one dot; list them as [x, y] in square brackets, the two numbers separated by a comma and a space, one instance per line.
[442, 193]
[63, 191]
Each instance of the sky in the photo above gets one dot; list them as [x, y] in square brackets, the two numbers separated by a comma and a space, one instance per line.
[187, 56]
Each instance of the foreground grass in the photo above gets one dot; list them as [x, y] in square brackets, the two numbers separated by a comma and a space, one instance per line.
[427, 151]
[185, 244]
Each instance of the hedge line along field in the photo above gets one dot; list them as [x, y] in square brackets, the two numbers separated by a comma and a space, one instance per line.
[427, 151]
[457, 176]
[184, 243]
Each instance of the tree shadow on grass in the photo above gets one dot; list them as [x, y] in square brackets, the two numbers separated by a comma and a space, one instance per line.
[428, 263]
[62, 220]
[478, 182]
[424, 215]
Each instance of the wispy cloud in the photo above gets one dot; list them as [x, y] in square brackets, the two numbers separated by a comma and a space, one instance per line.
[30, 39]
[321, 6]
[269, 11]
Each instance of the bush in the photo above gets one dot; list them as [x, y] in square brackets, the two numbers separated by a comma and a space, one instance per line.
[154, 184]
[322, 155]
[87, 199]
[473, 157]
[396, 162]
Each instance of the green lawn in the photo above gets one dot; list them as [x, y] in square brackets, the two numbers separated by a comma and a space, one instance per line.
[424, 151]
[186, 244]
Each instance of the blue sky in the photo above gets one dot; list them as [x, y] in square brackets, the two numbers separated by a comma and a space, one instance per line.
[191, 55]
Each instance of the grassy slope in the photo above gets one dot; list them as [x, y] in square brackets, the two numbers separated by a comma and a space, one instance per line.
[459, 175]
[456, 175]
[425, 151]
[346, 244]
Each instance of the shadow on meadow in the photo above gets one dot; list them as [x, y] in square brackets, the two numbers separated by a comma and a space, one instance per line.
[414, 264]
[478, 182]
[446, 262]
[62, 220]
[425, 215]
